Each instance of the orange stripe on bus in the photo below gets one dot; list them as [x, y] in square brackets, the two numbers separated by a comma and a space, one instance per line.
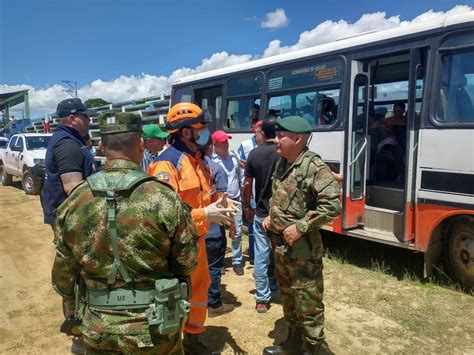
[428, 217]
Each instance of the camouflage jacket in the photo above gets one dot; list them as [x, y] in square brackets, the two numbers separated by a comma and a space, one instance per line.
[155, 234]
[303, 193]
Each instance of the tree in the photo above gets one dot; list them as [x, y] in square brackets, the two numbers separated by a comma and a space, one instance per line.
[95, 102]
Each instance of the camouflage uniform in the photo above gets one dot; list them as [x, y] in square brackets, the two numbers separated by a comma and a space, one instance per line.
[306, 194]
[156, 240]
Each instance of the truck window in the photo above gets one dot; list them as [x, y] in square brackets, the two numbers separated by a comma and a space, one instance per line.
[20, 144]
[40, 142]
[12, 142]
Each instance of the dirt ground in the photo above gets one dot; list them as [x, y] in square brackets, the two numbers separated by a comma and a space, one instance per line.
[368, 310]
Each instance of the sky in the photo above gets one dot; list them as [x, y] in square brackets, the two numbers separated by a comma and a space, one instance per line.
[128, 49]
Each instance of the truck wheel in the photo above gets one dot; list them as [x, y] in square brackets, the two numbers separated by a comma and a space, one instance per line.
[459, 251]
[29, 184]
[6, 178]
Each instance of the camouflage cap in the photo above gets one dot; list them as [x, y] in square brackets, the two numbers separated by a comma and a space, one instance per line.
[295, 124]
[112, 122]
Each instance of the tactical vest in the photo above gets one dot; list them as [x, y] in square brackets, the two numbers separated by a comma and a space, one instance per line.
[52, 194]
[166, 305]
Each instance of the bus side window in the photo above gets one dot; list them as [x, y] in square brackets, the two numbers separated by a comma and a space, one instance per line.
[243, 112]
[457, 88]
[243, 94]
[319, 107]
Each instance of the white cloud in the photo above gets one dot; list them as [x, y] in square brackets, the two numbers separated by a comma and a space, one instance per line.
[44, 100]
[275, 19]
[123, 88]
[328, 30]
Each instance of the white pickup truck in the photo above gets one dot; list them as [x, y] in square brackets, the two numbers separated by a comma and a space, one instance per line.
[24, 157]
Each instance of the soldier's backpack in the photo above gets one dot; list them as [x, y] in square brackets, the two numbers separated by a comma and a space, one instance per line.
[166, 302]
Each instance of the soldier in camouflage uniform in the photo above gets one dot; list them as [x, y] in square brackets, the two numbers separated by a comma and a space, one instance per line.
[305, 196]
[154, 238]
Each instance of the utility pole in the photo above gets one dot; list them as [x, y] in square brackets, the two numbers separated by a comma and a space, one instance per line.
[70, 87]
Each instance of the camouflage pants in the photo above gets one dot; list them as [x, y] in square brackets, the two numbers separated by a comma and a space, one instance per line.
[301, 286]
[122, 332]
[123, 344]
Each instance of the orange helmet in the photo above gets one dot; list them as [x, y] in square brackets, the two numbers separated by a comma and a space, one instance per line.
[184, 114]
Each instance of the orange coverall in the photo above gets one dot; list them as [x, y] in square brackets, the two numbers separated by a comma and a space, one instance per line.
[192, 180]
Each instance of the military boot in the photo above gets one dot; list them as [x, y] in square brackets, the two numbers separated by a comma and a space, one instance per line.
[292, 345]
[78, 346]
[321, 348]
[193, 346]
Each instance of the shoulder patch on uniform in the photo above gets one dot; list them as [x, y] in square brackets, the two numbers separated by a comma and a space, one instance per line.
[163, 176]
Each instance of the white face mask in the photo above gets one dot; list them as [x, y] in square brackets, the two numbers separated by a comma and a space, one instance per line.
[309, 140]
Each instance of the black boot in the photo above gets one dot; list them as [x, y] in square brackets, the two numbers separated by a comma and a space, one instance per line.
[193, 346]
[321, 348]
[292, 345]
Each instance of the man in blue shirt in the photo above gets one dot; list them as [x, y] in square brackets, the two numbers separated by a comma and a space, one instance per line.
[216, 243]
[230, 163]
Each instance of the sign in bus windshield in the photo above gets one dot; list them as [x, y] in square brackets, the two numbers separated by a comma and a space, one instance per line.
[305, 75]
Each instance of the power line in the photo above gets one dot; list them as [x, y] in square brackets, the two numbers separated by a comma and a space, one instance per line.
[70, 88]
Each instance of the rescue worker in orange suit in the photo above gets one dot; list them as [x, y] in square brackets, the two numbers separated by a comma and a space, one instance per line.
[183, 167]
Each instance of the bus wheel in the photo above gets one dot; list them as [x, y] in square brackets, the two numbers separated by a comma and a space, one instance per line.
[460, 251]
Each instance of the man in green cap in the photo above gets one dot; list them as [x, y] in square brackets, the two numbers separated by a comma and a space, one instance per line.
[128, 239]
[155, 140]
[305, 196]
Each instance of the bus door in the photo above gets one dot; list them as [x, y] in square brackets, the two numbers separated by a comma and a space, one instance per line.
[210, 100]
[356, 144]
[415, 88]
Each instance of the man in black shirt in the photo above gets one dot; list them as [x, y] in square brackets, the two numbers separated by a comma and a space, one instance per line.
[68, 160]
[259, 167]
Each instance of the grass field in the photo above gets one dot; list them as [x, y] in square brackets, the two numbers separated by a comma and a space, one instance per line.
[376, 299]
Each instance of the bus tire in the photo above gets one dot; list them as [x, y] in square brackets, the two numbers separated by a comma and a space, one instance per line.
[459, 251]
[6, 178]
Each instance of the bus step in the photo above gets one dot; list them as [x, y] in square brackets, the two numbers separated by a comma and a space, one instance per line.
[384, 220]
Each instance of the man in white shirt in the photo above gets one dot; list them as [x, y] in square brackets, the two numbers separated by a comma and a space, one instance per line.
[230, 163]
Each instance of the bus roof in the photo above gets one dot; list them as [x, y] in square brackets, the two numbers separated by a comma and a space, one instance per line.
[347, 42]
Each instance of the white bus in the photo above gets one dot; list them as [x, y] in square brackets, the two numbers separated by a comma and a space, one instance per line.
[409, 183]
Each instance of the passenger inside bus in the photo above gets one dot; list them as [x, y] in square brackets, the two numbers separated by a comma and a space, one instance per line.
[254, 115]
[273, 114]
[328, 111]
[391, 139]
